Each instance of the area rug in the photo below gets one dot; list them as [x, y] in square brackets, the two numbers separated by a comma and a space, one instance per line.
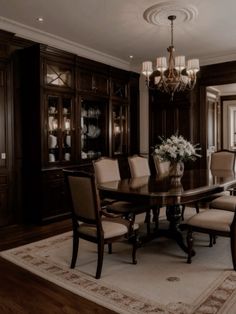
[161, 282]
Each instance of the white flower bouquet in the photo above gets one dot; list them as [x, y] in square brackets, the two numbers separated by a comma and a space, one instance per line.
[176, 149]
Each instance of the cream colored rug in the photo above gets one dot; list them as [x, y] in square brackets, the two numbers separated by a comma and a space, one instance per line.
[161, 282]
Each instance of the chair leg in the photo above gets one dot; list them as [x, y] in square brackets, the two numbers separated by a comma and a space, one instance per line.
[135, 245]
[148, 220]
[233, 249]
[190, 245]
[182, 213]
[212, 239]
[100, 259]
[110, 248]
[197, 207]
[75, 250]
[131, 218]
[156, 213]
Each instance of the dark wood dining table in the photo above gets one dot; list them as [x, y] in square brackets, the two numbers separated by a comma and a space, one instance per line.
[156, 191]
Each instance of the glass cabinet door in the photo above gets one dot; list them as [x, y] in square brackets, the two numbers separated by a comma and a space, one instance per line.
[53, 104]
[66, 128]
[119, 129]
[93, 128]
[58, 75]
[59, 142]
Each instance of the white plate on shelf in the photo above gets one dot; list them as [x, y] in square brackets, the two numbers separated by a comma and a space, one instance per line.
[93, 131]
[84, 129]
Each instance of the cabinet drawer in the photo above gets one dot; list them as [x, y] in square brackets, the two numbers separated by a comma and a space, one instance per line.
[52, 175]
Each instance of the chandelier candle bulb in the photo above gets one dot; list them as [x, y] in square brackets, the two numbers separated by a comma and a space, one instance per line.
[147, 68]
[161, 64]
[180, 63]
[193, 65]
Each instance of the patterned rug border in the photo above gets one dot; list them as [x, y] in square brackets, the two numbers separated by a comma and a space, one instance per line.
[118, 300]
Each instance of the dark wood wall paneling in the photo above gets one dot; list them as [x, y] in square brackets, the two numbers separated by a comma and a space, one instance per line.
[175, 116]
[187, 113]
[6, 132]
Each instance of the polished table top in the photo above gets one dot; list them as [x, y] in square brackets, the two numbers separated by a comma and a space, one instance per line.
[195, 185]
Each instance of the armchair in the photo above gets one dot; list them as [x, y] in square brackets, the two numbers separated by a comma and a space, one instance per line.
[89, 221]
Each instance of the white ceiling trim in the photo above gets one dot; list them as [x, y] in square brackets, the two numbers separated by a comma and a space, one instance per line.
[36, 35]
[218, 59]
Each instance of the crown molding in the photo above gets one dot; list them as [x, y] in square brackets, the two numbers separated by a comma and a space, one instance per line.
[217, 59]
[39, 36]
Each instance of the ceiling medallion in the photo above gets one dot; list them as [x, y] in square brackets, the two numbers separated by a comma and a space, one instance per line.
[158, 13]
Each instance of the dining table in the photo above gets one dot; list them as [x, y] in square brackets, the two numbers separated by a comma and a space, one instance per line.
[159, 191]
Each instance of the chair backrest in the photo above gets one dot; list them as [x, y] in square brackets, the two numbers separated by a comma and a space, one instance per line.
[222, 160]
[139, 166]
[162, 167]
[83, 196]
[106, 169]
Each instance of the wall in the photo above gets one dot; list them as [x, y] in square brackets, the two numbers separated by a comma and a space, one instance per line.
[144, 117]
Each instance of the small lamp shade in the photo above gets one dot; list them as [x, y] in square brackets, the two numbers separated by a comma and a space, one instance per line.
[180, 63]
[147, 68]
[161, 64]
[193, 65]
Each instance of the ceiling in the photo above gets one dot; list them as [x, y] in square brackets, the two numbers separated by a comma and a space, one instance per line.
[110, 31]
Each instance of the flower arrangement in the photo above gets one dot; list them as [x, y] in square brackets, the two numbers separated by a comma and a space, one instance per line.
[176, 149]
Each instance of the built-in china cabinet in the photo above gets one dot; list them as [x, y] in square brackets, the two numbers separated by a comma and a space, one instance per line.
[73, 110]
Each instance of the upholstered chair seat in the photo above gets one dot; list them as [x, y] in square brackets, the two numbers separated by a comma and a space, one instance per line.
[225, 202]
[217, 220]
[214, 222]
[110, 229]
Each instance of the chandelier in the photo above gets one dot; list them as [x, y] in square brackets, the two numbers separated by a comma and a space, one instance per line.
[176, 76]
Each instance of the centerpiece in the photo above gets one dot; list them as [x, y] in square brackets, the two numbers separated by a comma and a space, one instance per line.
[176, 150]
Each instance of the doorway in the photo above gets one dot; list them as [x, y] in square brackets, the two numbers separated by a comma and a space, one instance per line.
[221, 117]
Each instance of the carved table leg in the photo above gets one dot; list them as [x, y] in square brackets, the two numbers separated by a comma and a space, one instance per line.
[173, 214]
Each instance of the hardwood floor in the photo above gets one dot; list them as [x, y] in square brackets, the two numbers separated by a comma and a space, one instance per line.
[22, 292]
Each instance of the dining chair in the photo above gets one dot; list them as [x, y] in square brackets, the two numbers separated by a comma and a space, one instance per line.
[216, 223]
[139, 167]
[223, 161]
[162, 167]
[89, 221]
[107, 170]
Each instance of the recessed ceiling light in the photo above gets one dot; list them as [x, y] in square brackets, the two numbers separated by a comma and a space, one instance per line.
[131, 57]
[40, 19]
